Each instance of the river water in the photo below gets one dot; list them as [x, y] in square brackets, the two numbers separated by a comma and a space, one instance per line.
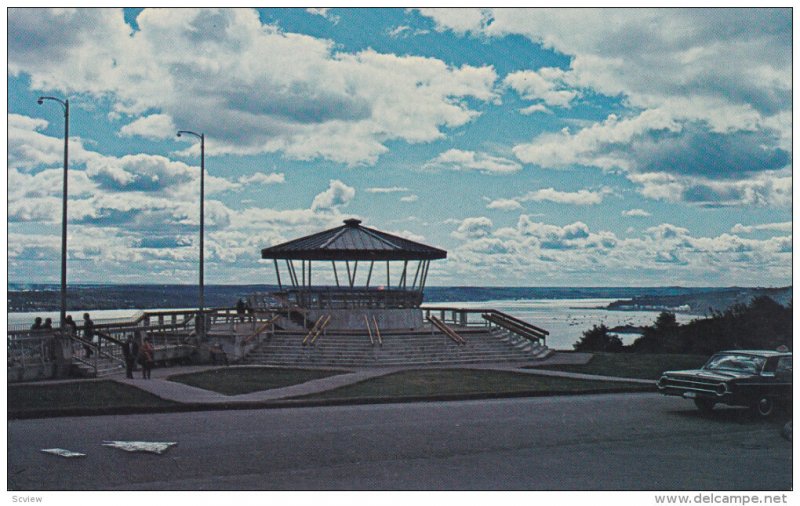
[565, 319]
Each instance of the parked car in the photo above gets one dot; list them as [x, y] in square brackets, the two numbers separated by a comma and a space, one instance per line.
[758, 379]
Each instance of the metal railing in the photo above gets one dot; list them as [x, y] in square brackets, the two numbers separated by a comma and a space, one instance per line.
[32, 349]
[492, 318]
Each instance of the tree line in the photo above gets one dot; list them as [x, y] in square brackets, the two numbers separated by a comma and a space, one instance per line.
[760, 324]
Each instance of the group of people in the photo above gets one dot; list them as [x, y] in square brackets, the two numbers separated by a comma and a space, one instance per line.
[38, 325]
[136, 350]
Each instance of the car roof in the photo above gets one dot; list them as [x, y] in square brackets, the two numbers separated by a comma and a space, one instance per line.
[760, 353]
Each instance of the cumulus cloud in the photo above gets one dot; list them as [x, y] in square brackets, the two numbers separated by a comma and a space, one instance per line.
[785, 226]
[504, 204]
[578, 198]
[260, 178]
[457, 159]
[254, 88]
[154, 126]
[663, 250]
[638, 213]
[545, 85]
[703, 103]
[471, 228]
[325, 13]
[337, 195]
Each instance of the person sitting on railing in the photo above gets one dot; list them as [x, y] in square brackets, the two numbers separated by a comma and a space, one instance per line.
[88, 333]
[37, 323]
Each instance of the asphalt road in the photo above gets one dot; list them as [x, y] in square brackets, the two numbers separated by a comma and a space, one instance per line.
[597, 442]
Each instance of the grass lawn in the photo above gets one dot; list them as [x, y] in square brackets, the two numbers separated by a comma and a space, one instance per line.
[634, 365]
[243, 380]
[455, 382]
[80, 395]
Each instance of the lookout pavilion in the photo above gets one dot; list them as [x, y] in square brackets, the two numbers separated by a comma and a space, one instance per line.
[375, 275]
[352, 296]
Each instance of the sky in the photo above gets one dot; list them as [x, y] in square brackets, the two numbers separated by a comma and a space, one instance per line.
[564, 147]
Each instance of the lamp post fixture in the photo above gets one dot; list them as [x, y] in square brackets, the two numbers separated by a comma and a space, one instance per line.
[202, 138]
[65, 106]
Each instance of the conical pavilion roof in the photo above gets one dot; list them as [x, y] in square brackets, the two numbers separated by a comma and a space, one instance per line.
[352, 241]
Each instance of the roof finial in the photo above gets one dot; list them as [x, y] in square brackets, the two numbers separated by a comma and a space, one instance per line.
[352, 222]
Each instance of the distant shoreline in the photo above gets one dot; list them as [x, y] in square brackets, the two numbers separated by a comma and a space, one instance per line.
[30, 297]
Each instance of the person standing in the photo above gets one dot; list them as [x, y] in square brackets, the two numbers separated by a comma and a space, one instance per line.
[48, 324]
[241, 307]
[37, 323]
[146, 357]
[137, 341]
[88, 333]
[130, 358]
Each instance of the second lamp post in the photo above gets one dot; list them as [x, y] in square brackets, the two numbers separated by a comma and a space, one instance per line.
[201, 318]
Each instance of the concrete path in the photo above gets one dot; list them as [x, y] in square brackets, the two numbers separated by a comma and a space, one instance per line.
[162, 387]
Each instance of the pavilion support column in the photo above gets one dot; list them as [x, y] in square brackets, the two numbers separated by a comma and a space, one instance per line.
[402, 282]
[335, 275]
[416, 275]
[388, 282]
[369, 275]
[278, 274]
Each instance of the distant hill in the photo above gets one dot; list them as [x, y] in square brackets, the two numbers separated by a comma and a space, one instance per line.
[46, 297]
[702, 303]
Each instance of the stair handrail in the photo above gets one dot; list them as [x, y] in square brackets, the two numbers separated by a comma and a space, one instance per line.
[369, 331]
[261, 329]
[516, 320]
[313, 329]
[321, 328]
[529, 332]
[377, 331]
[447, 330]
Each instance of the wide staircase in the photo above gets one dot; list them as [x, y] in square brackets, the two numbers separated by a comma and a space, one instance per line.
[429, 346]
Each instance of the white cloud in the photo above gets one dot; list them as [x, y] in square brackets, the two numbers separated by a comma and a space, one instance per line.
[409, 198]
[260, 178]
[691, 90]
[638, 213]
[154, 126]
[504, 204]
[546, 84]
[785, 226]
[325, 13]
[578, 198]
[458, 20]
[390, 189]
[337, 195]
[254, 88]
[471, 228]
[457, 159]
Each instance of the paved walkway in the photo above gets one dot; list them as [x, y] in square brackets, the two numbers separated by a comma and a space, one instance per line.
[160, 386]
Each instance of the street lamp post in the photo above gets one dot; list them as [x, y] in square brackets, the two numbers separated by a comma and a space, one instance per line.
[65, 106]
[202, 221]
